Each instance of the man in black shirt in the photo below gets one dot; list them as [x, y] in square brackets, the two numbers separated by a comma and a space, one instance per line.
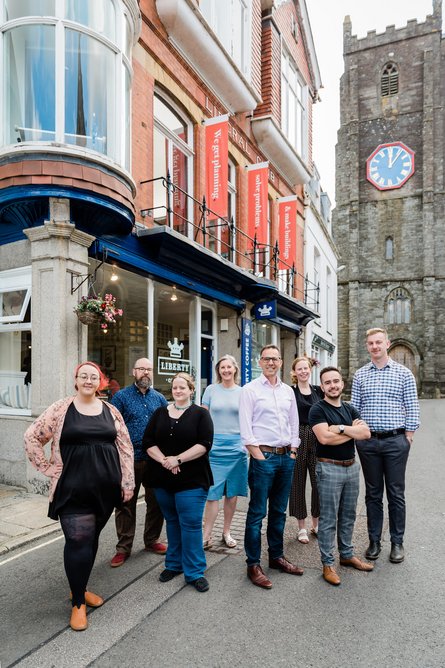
[336, 425]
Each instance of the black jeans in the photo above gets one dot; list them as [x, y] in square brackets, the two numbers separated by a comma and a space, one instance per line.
[384, 464]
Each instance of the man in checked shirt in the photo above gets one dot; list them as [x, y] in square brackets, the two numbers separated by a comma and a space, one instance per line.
[385, 393]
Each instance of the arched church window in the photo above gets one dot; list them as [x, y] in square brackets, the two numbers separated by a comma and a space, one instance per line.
[398, 307]
[390, 80]
[389, 248]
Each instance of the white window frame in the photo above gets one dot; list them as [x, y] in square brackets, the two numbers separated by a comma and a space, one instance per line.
[290, 70]
[227, 33]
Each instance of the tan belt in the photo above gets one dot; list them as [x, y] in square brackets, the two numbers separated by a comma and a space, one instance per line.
[338, 462]
[276, 451]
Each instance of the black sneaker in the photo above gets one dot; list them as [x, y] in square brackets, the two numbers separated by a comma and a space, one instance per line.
[168, 575]
[200, 585]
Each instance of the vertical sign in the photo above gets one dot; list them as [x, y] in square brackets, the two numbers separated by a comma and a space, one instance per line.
[246, 351]
[257, 180]
[287, 213]
[217, 166]
[179, 178]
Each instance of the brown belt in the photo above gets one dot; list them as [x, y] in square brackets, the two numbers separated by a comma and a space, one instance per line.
[276, 451]
[339, 462]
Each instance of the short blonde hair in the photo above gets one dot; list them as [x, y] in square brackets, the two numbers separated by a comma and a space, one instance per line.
[188, 379]
[376, 330]
[230, 359]
[303, 358]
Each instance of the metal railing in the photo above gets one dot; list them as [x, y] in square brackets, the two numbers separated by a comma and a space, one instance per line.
[225, 238]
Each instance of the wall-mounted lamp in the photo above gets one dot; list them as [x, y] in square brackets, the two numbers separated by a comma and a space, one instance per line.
[114, 276]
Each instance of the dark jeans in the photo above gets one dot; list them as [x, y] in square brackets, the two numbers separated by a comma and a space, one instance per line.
[126, 517]
[384, 464]
[269, 479]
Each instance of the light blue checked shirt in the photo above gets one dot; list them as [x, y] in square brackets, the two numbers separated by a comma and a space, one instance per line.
[387, 397]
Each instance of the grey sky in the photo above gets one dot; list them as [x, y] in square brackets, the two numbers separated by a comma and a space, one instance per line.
[326, 18]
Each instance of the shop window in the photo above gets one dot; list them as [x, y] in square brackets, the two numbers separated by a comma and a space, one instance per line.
[55, 66]
[15, 341]
[263, 334]
[398, 307]
[172, 156]
[294, 101]
[390, 80]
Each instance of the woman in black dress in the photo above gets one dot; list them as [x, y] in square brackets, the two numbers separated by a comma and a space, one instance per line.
[90, 471]
[178, 439]
[306, 395]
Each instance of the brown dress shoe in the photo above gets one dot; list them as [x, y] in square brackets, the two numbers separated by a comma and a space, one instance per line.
[357, 563]
[78, 621]
[256, 576]
[92, 600]
[282, 564]
[330, 575]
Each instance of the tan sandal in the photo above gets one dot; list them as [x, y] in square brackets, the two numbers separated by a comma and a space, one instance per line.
[302, 536]
[228, 540]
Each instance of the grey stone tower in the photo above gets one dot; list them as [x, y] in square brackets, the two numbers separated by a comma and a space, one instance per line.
[389, 220]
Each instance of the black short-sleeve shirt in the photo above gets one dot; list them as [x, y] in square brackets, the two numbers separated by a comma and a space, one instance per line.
[345, 414]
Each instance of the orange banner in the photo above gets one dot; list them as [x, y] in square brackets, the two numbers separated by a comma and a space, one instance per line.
[257, 180]
[287, 214]
[217, 166]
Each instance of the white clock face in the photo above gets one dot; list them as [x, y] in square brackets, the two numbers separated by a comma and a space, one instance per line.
[390, 166]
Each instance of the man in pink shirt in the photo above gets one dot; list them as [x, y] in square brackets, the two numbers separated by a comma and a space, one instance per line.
[269, 430]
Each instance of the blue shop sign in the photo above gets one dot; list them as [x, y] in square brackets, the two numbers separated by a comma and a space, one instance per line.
[265, 310]
[246, 351]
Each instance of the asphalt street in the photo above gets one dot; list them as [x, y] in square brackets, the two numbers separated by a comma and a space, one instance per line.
[390, 618]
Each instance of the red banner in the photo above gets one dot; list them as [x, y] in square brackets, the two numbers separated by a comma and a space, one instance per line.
[257, 180]
[217, 166]
[287, 214]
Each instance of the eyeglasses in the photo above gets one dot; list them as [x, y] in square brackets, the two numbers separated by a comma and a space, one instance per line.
[275, 360]
[142, 369]
[93, 378]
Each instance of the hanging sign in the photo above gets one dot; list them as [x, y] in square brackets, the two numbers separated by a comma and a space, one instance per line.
[257, 180]
[217, 166]
[246, 351]
[287, 214]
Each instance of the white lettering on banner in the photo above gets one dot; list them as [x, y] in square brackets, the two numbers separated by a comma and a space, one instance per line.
[287, 233]
[257, 199]
[216, 162]
[167, 366]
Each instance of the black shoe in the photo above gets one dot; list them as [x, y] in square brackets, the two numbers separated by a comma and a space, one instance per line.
[373, 550]
[397, 554]
[168, 575]
[200, 584]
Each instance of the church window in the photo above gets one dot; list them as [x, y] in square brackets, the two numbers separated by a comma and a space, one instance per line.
[398, 307]
[389, 248]
[390, 80]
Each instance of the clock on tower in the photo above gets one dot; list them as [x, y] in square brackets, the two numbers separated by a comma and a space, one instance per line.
[390, 166]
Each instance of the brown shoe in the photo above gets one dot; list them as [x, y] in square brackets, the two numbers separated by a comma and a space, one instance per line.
[78, 621]
[357, 563]
[92, 600]
[256, 576]
[330, 575]
[282, 564]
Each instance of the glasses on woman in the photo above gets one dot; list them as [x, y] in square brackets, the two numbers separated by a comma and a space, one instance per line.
[84, 376]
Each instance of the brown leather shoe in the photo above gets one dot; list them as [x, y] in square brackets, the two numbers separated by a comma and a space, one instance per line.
[92, 600]
[330, 575]
[357, 563]
[282, 564]
[256, 576]
[78, 621]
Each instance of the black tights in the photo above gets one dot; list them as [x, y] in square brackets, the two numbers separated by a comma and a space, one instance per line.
[81, 543]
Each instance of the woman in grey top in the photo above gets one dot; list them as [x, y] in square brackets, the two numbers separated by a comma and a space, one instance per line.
[228, 458]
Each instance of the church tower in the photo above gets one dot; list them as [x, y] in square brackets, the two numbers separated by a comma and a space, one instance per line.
[389, 219]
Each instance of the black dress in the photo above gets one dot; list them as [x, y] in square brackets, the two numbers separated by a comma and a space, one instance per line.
[91, 475]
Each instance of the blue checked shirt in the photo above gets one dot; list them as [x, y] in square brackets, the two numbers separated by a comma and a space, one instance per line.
[137, 408]
[386, 398]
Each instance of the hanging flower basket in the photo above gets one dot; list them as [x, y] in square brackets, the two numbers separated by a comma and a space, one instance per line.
[97, 310]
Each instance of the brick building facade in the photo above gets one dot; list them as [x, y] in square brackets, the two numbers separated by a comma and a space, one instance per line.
[388, 222]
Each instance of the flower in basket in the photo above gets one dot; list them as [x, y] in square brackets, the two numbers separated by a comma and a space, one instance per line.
[103, 310]
[314, 361]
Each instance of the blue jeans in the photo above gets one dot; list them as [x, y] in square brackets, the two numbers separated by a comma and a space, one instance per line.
[384, 465]
[183, 513]
[269, 479]
[338, 488]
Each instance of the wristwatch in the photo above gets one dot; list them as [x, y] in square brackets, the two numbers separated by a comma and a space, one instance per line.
[293, 452]
[179, 460]
[341, 428]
